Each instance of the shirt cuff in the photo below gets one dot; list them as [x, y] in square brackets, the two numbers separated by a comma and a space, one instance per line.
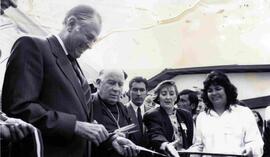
[163, 146]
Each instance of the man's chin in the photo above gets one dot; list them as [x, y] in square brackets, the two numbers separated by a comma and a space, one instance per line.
[112, 101]
[78, 55]
[138, 103]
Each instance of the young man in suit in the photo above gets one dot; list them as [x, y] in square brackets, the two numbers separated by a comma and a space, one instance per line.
[188, 100]
[44, 86]
[136, 108]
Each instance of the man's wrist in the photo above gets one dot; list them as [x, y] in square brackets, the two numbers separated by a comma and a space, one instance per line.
[77, 129]
[3, 116]
[163, 146]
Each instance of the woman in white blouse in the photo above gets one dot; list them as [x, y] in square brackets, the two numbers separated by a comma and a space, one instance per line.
[225, 127]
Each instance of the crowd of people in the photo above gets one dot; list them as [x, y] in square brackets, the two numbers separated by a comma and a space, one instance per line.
[45, 89]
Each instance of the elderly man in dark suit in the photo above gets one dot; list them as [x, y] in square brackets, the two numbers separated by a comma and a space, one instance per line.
[45, 86]
[136, 109]
[109, 111]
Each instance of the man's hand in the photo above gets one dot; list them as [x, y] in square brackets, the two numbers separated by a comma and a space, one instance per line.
[94, 132]
[5, 4]
[4, 132]
[170, 150]
[149, 101]
[125, 147]
[15, 129]
[247, 152]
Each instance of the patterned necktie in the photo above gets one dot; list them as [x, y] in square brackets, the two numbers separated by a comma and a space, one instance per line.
[84, 84]
[139, 116]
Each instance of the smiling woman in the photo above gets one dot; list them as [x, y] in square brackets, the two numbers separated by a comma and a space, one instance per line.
[225, 126]
[169, 129]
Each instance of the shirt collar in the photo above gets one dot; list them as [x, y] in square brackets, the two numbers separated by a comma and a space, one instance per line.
[135, 107]
[230, 109]
[61, 43]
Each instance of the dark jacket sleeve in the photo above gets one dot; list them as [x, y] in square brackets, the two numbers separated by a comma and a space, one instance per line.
[155, 131]
[187, 119]
[22, 88]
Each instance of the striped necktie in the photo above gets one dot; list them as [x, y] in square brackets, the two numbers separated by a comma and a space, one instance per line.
[84, 84]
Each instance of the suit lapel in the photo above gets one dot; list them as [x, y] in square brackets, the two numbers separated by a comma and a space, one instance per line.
[182, 121]
[167, 123]
[138, 137]
[133, 114]
[104, 109]
[66, 67]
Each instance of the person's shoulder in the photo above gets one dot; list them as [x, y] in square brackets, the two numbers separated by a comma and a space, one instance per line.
[240, 108]
[128, 104]
[182, 111]
[94, 99]
[202, 115]
[29, 42]
[152, 112]
[267, 109]
[243, 110]
[30, 38]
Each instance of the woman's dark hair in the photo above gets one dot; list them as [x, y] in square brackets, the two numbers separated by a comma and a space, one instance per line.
[260, 122]
[166, 83]
[219, 78]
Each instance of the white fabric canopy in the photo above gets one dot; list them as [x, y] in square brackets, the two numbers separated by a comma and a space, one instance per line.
[144, 37]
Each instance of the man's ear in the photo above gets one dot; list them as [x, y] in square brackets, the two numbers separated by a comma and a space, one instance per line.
[98, 81]
[128, 93]
[193, 106]
[71, 23]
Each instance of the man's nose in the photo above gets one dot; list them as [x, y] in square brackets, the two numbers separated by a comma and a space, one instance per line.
[117, 87]
[139, 92]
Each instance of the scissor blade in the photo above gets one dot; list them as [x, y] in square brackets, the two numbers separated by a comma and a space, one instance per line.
[149, 150]
[132, 132]
[126, 128]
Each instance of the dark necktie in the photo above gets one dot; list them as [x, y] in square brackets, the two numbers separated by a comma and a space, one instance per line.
[139, 116]
[84, 84]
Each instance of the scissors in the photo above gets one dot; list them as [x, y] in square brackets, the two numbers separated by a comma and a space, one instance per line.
[149, 150]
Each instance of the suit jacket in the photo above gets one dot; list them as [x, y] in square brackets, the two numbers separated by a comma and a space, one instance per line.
[101, 115]
[160, 129]
[41, 87]
[139, 137]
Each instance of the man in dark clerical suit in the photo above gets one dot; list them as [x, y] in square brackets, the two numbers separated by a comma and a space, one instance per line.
[136, 109]
[109, 111]
[44, 86]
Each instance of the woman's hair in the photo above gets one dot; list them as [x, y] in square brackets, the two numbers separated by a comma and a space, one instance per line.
[260, 122]
[166, 83]
[219, 78]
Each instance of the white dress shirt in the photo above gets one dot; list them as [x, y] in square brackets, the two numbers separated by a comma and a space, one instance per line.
[231, 132]
[135, 108]
[61, 43]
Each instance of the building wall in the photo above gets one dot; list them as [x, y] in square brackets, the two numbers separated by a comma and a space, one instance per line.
[249, 85]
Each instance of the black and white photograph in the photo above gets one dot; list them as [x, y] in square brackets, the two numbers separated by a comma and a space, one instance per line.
[134, 78]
